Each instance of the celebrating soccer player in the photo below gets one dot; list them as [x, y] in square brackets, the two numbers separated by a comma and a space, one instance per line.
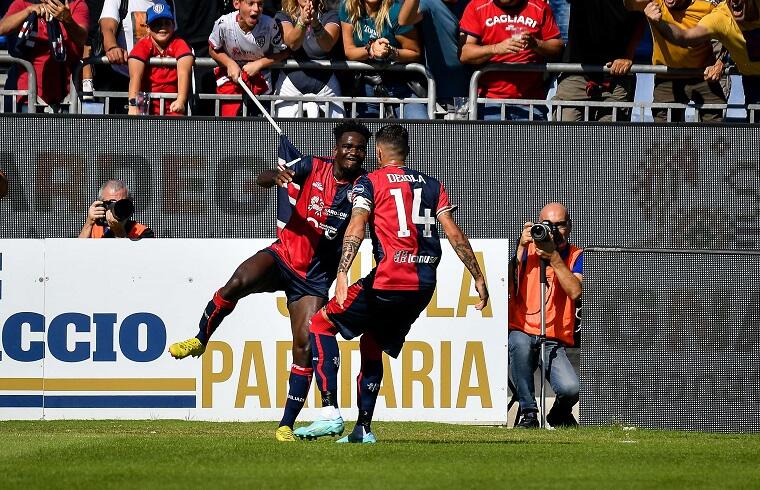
[303, 262]
[401, 206]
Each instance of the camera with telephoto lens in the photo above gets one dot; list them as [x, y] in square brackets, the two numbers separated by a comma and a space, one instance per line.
[544, 231]
[121, 210]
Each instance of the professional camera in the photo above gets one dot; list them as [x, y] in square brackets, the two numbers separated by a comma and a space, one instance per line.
[121, 210]
[542, 232]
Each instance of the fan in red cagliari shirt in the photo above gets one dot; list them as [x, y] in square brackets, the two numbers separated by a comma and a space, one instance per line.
[161, 43]
[510, 31]
[52, 76]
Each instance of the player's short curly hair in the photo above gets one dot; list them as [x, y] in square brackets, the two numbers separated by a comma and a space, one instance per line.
[351, 126]
[394, 136]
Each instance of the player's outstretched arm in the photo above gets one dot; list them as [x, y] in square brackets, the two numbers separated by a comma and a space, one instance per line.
[280, 177]
[462, 247]
[351, 243]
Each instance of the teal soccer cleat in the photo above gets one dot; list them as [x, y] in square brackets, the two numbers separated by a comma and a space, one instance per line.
[320, 428]
[368, 438]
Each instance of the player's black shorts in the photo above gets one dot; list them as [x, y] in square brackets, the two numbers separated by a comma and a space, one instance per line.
[291, 283]
[387, 315]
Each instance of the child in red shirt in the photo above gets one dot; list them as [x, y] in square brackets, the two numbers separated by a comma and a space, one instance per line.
[161, 43]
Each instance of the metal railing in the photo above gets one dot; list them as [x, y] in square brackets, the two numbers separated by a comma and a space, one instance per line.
[31, 92]
[574, 68]
[350, 66]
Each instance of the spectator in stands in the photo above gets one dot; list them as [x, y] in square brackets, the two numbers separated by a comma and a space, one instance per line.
[244, 44]
[160, 43]
[3, 184]
[441, 40]
[735, 23]
[120, 34]
[371, 32]
[679, 89]
[195, 20]
[53, 33]
[311, 33]
[562, 12]
[601, 33]
[564, 272]
[510, 31]
[94, 38]
[103, 220]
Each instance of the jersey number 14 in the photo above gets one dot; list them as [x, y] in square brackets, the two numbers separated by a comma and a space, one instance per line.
[426, 218]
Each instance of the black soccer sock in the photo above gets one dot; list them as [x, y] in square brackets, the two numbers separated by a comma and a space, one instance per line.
[300, 380]
[216, 310]
[325, 365]
[369, 379]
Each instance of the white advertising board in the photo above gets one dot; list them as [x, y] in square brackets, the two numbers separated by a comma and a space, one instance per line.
[86, 325]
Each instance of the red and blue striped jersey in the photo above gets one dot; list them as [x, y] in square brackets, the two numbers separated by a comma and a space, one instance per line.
[403, 205]
[311, 240]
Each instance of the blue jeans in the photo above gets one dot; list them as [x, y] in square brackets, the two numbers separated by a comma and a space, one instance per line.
[492, 112]
[561, 11]
[524, 355]
[401, 91]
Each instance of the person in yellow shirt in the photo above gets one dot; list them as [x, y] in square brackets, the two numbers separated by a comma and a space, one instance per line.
[736, 24]
[684, 14]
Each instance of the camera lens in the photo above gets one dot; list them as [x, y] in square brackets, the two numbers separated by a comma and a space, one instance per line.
[539, 232]
[122, 209]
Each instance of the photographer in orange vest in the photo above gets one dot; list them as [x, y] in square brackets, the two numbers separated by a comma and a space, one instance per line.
[564, 273]
[109, 215]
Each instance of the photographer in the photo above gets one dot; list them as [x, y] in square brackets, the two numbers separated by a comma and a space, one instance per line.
[564, 275]
[108, 216]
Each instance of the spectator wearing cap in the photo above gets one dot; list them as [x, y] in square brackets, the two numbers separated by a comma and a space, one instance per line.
[51, 35]
[311, 32]
[510, 31]
[143, 77]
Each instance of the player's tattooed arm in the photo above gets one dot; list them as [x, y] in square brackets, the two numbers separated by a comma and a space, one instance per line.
[353, 238]
[461, 245]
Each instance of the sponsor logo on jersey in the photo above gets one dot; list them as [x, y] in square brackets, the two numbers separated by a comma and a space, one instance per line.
[317, 205]
[319, 186]
[404, 257]
[260, 41]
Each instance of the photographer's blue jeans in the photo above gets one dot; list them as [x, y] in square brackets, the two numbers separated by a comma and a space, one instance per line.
[492, 112]
[401, 91]
[524, 354]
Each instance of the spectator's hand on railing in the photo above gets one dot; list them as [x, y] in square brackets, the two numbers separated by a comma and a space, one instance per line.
[715, 72]
[116, 55]
[133, 111]
[653, 12]
[59, 10]
[619, 67]
[178, 106]
[96, 210]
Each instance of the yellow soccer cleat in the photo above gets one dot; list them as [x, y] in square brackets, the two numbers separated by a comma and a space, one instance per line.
[284, 434]
[190, 347]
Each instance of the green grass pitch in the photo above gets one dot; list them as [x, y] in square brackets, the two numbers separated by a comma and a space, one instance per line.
[186, 455]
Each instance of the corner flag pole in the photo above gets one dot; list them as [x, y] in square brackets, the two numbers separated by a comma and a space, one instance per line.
[256, 101]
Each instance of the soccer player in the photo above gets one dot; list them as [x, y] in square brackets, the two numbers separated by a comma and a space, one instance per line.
[401, 205]
[302, 262]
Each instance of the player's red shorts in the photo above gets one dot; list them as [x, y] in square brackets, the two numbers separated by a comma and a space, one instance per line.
[387, 315]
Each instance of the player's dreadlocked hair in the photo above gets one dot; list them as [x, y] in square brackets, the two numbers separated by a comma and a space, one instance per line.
[395, 137]
[351, 126]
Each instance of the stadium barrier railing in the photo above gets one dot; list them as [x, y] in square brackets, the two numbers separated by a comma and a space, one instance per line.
[31, 93]
[347, 66]
[574, 68]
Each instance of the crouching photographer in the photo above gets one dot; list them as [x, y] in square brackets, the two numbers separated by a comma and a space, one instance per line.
[546, 241]
[109, 216]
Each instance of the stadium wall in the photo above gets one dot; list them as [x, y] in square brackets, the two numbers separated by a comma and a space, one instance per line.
[674, 186]
[85, 326]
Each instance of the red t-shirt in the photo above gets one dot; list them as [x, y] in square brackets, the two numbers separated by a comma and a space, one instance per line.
[160, 78]
[52, 77]
[491, 23]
